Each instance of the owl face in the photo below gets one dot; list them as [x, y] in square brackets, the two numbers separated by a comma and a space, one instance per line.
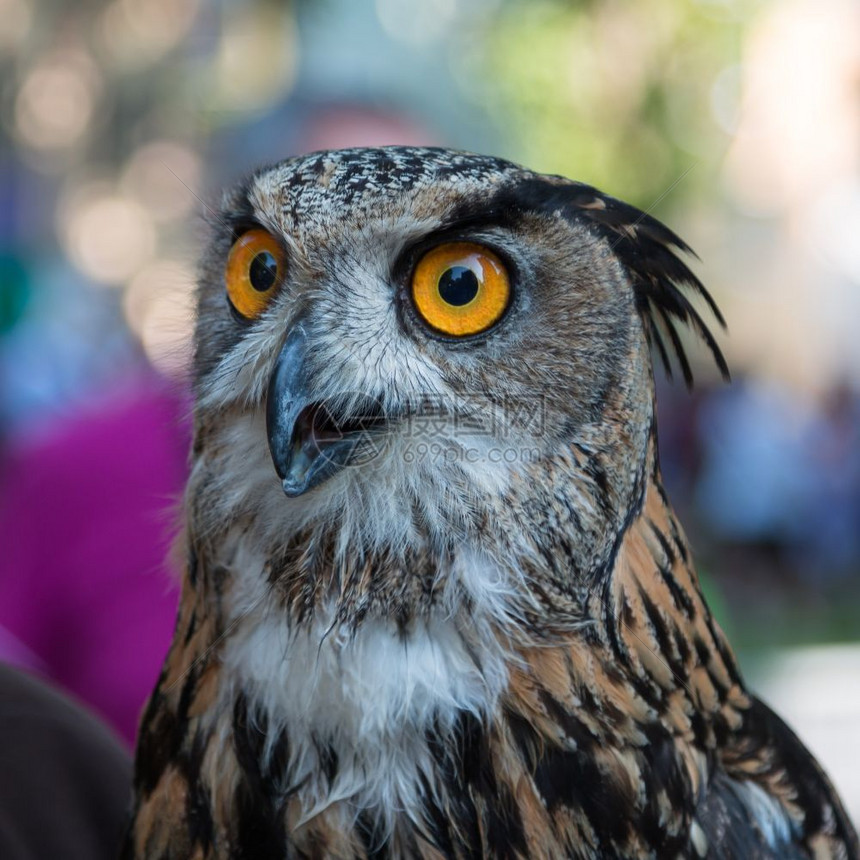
[404, 332]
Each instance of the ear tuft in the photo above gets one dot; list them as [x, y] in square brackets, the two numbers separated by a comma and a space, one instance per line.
[647, 250]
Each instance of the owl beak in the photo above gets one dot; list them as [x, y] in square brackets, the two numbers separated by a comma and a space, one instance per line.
[293, 457]
[308, 441]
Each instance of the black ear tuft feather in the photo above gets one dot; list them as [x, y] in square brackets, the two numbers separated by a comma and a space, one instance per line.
[646, 248]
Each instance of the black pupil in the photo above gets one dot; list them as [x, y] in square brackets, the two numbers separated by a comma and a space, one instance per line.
[264, 270]
[458, 285]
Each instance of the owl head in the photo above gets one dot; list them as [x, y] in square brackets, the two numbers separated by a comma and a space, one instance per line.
[411, 347]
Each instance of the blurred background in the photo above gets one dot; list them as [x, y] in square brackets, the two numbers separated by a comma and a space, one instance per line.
[735, 121]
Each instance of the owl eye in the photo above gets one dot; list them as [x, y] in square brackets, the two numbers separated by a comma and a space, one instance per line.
[460, 288]
[254, 270]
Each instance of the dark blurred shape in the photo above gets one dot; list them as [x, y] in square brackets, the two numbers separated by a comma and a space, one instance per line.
[64, 778]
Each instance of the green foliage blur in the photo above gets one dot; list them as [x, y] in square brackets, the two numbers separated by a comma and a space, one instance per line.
[616, 94]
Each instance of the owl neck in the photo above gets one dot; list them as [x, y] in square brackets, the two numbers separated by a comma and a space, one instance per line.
[602, 693]
[595, 557]
[572, 541]
[318, 698]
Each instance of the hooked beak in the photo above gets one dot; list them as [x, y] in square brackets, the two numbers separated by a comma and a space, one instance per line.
[309, 442]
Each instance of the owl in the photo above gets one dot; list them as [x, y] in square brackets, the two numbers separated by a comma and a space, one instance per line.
[436, 603]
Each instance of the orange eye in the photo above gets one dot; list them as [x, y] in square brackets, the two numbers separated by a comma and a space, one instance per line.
[460, 288]
[254, 270]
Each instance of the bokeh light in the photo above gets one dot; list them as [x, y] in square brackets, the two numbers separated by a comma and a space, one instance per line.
[799, 127]
[135, 33]
[56, 101]
[159, 308]
[165, 177]
[17, 18]
[107, 236]
[256, 60]
[403, 21]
